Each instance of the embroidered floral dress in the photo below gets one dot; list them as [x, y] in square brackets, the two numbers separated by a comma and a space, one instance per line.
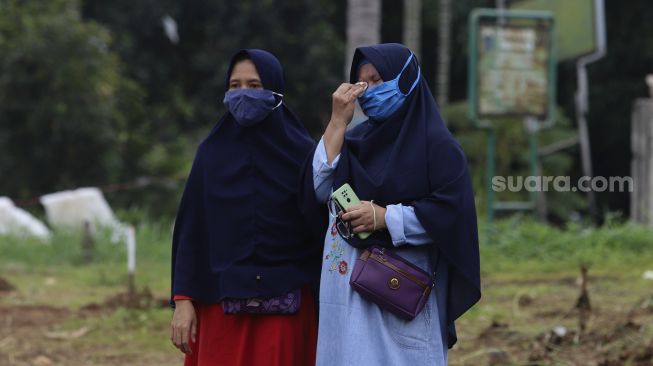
[355, 331]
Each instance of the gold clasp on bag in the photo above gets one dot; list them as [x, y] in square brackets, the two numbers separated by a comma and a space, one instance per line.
[394, 283]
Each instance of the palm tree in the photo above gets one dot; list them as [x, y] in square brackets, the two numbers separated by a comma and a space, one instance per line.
[444, 53]
[413, 25]
[363, 27]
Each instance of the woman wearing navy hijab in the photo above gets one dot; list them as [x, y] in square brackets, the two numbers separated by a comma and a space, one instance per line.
[239, 240]
[416, 198]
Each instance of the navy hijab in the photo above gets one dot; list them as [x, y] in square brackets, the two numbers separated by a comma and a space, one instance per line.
[412, 158]
[238, 231]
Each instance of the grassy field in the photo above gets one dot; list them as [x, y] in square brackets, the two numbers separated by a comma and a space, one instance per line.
[63, 311]
[57, 294]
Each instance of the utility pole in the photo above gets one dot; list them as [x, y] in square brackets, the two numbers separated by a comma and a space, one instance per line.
[582, 100]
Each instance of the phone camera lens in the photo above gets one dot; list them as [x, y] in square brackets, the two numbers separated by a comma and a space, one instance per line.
[348, 200]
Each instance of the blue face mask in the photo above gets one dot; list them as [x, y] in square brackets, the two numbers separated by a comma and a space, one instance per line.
[251, 106]
[381, 101]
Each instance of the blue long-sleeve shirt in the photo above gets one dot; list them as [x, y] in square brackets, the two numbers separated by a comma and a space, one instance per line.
[402, 224]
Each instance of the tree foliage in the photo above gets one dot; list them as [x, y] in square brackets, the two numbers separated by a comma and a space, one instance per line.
[59, 95]
[185, 81]
[94, 92]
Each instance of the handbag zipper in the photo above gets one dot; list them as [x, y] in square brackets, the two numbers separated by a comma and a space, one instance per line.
[383, 261]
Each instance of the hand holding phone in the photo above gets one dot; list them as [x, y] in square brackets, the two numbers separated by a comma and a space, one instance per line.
[347, 198]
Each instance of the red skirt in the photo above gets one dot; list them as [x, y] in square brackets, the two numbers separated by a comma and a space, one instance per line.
[247, 339]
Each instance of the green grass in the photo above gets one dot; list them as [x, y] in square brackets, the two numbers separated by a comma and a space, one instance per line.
[134, 328]
[519, 257]
[55, 274]
[520, 245]
[43, 270]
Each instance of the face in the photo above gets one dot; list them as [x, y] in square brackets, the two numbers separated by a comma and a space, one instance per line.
[369, 74]
[245, 76]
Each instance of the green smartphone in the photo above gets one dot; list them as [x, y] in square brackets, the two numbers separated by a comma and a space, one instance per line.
[347, 198]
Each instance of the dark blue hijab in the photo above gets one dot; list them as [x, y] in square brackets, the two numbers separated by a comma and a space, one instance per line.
[238, 231]
[412, 158]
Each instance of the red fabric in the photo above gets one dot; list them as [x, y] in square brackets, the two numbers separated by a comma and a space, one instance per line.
[247, 339]
[181, 297]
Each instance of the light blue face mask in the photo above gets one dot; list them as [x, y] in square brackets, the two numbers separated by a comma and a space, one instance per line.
[381, 101]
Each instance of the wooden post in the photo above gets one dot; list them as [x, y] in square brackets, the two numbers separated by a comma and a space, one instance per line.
[87, 243]
[583, 304]
[641, 198]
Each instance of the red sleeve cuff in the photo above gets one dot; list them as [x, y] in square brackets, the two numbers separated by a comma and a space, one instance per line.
[181, 297]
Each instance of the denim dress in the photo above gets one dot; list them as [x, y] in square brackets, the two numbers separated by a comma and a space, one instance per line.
[356, 331]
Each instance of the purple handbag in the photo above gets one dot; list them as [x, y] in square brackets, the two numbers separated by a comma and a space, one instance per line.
[391, 282]
[286, 304]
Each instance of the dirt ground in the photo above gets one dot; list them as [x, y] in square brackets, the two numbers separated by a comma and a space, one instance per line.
[613, 343]
[38, 335]
[530, 322]
[27, 338]
[546, 324]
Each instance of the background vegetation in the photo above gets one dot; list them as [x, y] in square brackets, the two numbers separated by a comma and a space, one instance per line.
[93, 92]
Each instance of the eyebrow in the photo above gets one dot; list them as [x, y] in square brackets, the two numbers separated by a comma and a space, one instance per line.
[248, 80]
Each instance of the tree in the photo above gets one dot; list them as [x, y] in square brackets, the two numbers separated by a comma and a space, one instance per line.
[185, 81]
[444, 54]
[59, 93]
[413, 25]
[363, 27]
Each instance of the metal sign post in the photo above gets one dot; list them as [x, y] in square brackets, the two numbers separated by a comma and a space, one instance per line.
[582, 100]
[511, 73]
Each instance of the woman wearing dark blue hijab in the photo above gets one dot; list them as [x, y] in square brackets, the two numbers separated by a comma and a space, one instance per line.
[416, 198]
[243, 259]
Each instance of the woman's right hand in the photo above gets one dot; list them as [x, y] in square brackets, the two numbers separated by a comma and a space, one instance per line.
[183, 326]
[344, 100]
[342, 111]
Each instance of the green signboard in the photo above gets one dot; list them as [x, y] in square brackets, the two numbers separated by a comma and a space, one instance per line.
[511, 73]
[575, 33]
[513, 70]
[511, 64]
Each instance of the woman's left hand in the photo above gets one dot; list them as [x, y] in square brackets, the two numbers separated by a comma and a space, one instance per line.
[361, 217]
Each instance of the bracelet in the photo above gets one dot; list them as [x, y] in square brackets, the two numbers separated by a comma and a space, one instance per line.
[373, 214]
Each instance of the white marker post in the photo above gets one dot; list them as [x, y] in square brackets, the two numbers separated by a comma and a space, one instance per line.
[131, 260]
